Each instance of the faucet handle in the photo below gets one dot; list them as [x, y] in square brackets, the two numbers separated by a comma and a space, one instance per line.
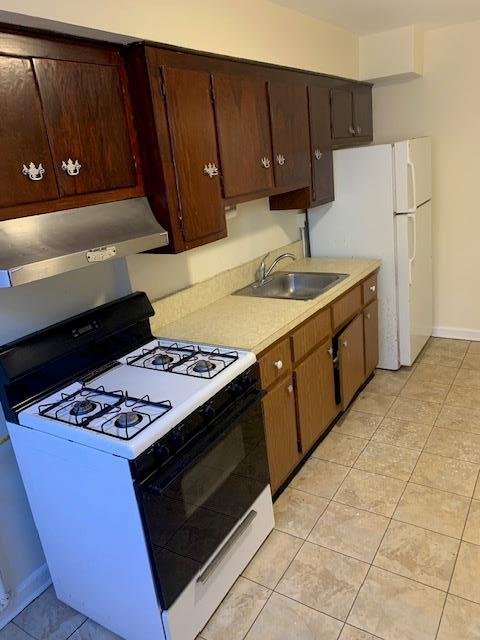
[262, 268]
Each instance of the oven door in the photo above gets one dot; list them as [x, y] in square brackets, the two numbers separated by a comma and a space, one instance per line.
[191, 506]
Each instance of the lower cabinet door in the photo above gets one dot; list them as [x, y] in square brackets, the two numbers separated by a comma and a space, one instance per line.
[281, 432]
[315, 393]
[351, 359]
[370, 331]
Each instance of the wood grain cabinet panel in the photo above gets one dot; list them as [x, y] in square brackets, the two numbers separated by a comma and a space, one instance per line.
[241, 107]
[351, 360]
[346, 307]
[370, 327]
[275, 363]
[290, 134]
[86, 121]
[23, 136]
[351, 114]
[310, 334]
[320, 145]
[194, 144]
[281, 432]
[315, 393]
[362, 112]
[342, 114]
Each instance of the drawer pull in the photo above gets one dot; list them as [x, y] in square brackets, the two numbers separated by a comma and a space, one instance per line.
[373, 288]
[278, 364]
[265, 162]
[71, 168]
[330, 351]
[280, 159]
[345, 344]
[290, 388]
[368, 316]
[34, 173]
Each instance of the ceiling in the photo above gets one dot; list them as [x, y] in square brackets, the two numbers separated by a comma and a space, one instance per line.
[369, 16]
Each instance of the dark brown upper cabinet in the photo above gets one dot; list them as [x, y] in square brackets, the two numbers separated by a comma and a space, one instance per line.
[290, 134]
[67, 128]
[241, 107]
[320, 190]
[351, 115]
[24, 138]
[194, 146]
[87, 125]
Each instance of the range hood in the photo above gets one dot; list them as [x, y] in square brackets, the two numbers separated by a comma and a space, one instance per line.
[45, 245]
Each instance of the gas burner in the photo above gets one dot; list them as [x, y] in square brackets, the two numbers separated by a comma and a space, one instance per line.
[162, 360]
[113, 413]
[82, 407]
[203, 366]
[128, 419]
[193, 360]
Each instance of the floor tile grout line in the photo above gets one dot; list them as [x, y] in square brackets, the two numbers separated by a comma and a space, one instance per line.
[21, 629]
[79, 626]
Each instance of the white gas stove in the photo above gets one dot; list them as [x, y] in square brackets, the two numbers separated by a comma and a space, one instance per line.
[144, 462]
[144, 394]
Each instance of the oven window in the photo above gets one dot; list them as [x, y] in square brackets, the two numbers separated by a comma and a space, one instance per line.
[193, 514]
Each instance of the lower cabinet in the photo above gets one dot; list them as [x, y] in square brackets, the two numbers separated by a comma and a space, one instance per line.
[315, 394]
[351, 360]
[281, 431]
[370, 334]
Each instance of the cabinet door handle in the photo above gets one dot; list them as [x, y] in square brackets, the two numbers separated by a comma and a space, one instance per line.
[358, 129]
[373, 288]
[265, 162]
[280, 159]
[290, 388]
[318, 154]
[368, 316]
[34, 173]
[330, 351]
[345, 344]
[351, 130]
[71, 168]
[210, 169]
[278, 364]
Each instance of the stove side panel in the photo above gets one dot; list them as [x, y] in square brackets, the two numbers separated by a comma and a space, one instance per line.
[85, 509]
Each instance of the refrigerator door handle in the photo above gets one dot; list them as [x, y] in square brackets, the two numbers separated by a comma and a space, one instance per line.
[411, 167]
[411, 216]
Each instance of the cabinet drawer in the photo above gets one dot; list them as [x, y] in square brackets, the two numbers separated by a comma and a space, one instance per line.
[275, 363]
[347, 307]
[370, 289]
[310, 335]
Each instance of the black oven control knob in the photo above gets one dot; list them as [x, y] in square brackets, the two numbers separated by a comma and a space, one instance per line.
[235, 389]
[207, 412]
[177, 439]
[162, 451]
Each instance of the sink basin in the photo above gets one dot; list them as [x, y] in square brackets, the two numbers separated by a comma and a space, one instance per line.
[293, 286]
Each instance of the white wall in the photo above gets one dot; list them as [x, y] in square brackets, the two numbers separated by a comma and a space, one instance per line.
[255, 29]
[444, 103]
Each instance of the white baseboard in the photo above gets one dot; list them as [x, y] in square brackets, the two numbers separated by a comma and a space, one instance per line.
[26, 591]
[456, 332]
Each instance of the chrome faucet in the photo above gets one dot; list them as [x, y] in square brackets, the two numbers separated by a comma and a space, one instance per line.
[263, 272]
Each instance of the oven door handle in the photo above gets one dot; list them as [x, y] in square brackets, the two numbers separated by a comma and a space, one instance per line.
[217, 429]
[217, 559]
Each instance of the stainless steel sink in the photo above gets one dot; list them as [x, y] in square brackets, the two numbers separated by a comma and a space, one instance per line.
[293, 286]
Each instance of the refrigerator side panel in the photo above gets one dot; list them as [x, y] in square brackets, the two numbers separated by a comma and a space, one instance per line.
[360, 223]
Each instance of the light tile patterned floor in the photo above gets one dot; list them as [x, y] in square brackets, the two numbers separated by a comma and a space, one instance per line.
[377, 537]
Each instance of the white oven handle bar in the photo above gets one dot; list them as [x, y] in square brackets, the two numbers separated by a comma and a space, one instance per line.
[239, 531]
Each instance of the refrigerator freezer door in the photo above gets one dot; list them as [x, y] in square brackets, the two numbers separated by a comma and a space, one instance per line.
[413, 170]
[414, 279]
[360, 223]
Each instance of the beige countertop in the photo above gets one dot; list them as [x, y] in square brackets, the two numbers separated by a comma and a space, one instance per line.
[256, 323]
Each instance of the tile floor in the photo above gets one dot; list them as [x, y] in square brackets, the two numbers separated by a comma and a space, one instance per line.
[378, 536]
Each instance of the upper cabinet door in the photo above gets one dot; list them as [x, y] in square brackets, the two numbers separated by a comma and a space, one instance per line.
[194, 143]
[241, 105]
[25, 162]
[290, 134]
[342, 114]
[87, 125]
[320, 145]
[362, 112]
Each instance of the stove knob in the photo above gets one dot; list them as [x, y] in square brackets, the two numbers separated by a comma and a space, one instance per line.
[207, 412]
[162, 451]
[177, 439]
[235, 389]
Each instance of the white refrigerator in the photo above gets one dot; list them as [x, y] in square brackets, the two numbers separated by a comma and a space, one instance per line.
[383, 210]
